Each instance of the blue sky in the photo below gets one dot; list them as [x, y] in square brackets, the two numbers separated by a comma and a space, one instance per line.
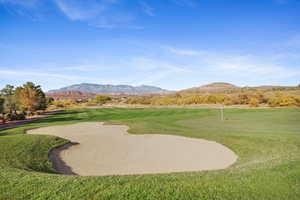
[174, 44]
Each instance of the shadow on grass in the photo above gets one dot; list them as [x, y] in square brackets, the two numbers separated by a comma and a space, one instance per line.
[61, 116]
[66, 112]
[58, 164]
[58, 119]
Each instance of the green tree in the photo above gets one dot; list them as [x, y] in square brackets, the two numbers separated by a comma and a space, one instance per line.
[2, 100]
[11, 103]
[8, 90]
[49, 100]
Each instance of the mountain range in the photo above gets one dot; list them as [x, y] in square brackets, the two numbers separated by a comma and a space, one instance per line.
[112, 89]
[92, 89]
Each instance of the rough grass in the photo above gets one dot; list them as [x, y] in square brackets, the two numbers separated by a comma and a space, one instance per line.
[267, 142]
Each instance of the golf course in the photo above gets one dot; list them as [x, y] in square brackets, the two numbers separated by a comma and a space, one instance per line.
[265, 141]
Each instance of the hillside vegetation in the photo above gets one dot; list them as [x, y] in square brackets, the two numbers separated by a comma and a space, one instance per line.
[227, 94]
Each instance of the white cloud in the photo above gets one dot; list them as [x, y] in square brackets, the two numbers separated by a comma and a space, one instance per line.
[115, 20]
[154, 70]
[22, 74]
[147, 8]
[52, 80]
[82, 10]
[239, 65]
[184, 52]
[147, 64]
[98, 13]
[84, 68]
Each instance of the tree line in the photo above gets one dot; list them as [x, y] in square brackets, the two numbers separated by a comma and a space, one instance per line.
[250, 98]
[253, 99]
[97, 101]
[18, 102]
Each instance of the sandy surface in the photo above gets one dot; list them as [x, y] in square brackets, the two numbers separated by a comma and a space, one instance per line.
[110, 150]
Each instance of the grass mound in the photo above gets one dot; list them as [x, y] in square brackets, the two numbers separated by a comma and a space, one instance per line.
[28, 152]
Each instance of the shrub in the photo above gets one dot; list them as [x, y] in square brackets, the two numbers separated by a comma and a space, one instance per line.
[15, 116]
[273, 102]
[287, 101]
[254, 102]
[58, 104]
[139, 100]
[101, 99]
[21, 116]
[91, 103]
[64, 104]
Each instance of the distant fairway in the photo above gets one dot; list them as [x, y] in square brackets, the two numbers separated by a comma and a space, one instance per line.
[267, 142]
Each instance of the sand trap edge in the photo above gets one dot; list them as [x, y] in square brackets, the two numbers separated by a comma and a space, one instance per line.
[62, 168]
[57, 162]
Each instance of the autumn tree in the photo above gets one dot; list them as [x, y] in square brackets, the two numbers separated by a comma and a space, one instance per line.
[31, 97]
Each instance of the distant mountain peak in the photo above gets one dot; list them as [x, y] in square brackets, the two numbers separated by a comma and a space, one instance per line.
[213, 87]
[219, 85]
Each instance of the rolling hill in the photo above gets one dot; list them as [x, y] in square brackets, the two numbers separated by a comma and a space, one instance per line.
[212, 87]
[219, 87]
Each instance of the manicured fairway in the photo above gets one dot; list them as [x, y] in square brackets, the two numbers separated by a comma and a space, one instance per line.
[267, 142]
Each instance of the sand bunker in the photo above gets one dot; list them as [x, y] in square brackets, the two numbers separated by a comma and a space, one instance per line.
[110, 150]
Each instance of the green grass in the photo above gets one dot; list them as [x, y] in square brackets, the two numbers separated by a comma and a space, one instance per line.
[267, 142]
